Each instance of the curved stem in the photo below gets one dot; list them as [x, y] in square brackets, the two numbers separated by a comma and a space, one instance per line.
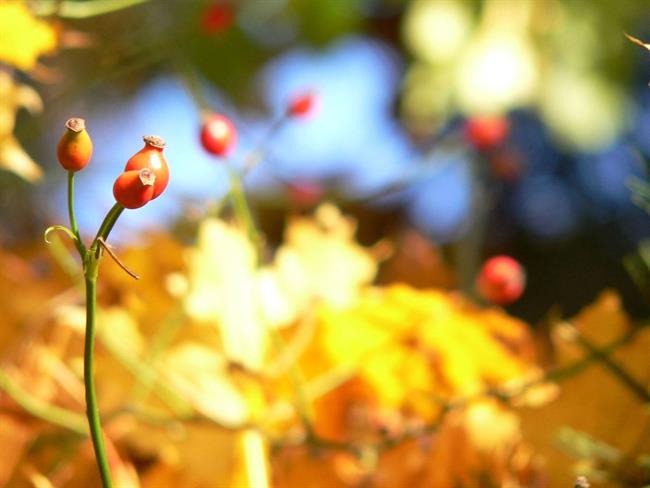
[108, 223]
[92, 409]
[73, 220]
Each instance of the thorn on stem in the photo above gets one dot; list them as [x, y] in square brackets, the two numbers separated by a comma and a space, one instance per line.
[107, 248]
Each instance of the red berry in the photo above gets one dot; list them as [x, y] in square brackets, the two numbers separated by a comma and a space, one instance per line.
[302, 105]
[75, 147]
[217, 18]
[487, 132]
[151, 157]
[218, 135]
[304, 193]
[135, 188]
[501, 280]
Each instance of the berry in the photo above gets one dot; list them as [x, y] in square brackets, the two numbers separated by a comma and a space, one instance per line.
[501, 280]
[134, 188]
[487, 132]
[217, 18]
[151, 157]
[302, 105]
[75, 147]
[304, 193]
[218, 135]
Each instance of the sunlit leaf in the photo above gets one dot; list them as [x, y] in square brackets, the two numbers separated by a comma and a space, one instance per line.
[24, 37]
[15, 96]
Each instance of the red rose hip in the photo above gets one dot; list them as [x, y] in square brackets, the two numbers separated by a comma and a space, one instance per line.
[152, 158]
[134, 188]
[218, 135]
[501, 280]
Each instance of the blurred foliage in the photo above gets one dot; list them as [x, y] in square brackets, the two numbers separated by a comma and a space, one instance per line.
[216, 370]
[339, 383]
[494, 56]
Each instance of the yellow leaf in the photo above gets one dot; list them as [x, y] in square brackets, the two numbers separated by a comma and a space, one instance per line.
[404, 340]
[200, 374]
[223, 291]
[24, 38]
[14, 96]
[320, 259]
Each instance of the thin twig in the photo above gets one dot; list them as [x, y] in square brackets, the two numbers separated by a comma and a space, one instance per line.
[616, 369]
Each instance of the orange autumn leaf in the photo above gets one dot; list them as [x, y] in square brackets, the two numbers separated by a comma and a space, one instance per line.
[593, 401]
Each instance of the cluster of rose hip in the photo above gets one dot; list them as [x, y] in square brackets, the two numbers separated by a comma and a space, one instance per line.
[145, 175]
[501, 279]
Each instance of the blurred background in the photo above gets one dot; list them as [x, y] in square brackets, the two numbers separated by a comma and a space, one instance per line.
[450, 130]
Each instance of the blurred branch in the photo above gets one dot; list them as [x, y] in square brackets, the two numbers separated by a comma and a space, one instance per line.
[41, 409]
[165, 334]
[598, 355]
[80, 10]
[146, 373]
[243, 212]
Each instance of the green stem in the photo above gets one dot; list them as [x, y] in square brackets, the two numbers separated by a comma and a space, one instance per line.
[261, 150]
[73, 220]
[243, 212]
[108, 223]
[91, 271]
[92, 409]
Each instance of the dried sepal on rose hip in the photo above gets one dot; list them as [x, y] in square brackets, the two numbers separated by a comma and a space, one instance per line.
[218, 135]
[134, 188]
[302, 104]
[501, 280]
[151, 157]
[75, 147]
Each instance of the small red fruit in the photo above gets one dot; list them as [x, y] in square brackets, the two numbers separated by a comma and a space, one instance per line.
[304, 193]
[75, 147]
[217, 18]
[501, 280]
[302, 105]
[487, 132]
[151, 157]
[218, 135]
[135, 188]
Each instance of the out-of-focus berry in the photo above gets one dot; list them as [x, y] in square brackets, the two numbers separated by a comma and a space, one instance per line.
[218, 135]
[487, 132]
[501, 280]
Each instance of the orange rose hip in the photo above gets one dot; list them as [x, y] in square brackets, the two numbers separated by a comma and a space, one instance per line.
[75, 146]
